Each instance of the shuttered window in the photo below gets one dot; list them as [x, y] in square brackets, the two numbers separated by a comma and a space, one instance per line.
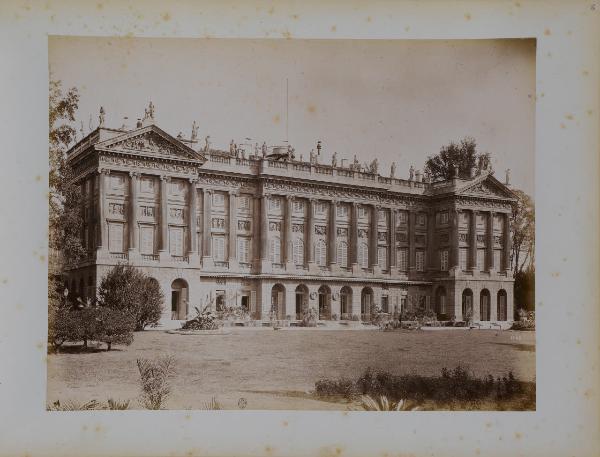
[298, 252]
[115, 237]
[321, 253]
[219, 248]
[342, 254]
[481, 259]
[462, 258]
[275, 251]
[147, 240]
[382, 258]
[402, 259]
[176, 241]
[244, 249]
[444, 260]
[363, 255]
[420, 260]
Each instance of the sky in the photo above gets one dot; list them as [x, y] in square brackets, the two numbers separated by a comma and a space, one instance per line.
[398, 100]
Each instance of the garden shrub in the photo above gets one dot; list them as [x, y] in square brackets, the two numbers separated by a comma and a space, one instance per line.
[155, 378]
[309, 318]
[114, 326]
[128, 289]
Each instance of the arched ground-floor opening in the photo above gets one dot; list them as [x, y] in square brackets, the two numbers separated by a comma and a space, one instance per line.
[366, 303]
[441, 306]
[324, 303]
[301, 300]
[484, 305]
[278, 301]
[179, 299]
[502, 308]
[467, 304]
[346, 303]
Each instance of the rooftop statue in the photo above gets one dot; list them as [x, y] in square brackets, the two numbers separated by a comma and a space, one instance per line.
[207, 143]
[101, 117]
[374, 166]
[231, 147]
[151, 110]
[313, 156]
[393, 170]
[411, 173]
[355, 164]
[334, 160]
[264, 149]
[194, 136]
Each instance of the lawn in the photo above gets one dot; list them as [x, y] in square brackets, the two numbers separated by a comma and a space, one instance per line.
[276, 369]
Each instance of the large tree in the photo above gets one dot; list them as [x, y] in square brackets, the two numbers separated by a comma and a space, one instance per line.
[522, 227]
[463, 154]
[65, 215]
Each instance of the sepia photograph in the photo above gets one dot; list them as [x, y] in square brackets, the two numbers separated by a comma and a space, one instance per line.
[291, 224]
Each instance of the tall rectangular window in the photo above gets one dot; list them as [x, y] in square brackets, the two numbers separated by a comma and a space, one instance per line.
[402, 259]
[115, 237]
[176, 241]
[442, 303]
[444, 260]
[275, 204]
[298, 252]
[342, 210]
[244, 202]
[498, 259]
[420, 260]
[462, 258]
[275, 251]
[481, 259]
[382, 259]
[244, 249]
[218, 243]
[218, 199]
[342, 254]
[147, 239]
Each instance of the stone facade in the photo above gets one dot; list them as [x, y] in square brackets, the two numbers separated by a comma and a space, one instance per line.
[277, 236]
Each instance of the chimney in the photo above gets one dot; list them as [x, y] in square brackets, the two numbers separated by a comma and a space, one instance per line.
[507, 180]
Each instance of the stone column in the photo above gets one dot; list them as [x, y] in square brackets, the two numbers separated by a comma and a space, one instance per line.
[163, 252]
[373, 233]
[134, 229]
[102, 225]
[431, 259]
[289, 246]
[490, 242]
[455, 242]
[90, 219]
[507, 240]
[192, 221]
[392, 239]
[412, 261]
[207, 259]
[332, 232]
[264, 233]
[232, 229]
[354, 240]
[473, 241]
[310, 234]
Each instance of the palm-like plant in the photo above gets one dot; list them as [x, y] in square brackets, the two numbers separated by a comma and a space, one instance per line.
[382, 403]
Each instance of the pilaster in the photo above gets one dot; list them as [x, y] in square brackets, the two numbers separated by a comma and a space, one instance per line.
[134, 229]
[207, 258]
[192, 222]
[232, 237]
[332, 237]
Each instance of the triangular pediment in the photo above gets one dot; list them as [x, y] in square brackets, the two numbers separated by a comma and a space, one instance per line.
[151, 141]
[486, 186]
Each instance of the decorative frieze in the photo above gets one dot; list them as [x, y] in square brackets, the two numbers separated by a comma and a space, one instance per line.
[298, 228]
[275, 226]
[147, 164]
[382, 236]
[462, 237]
[176, 213]
[402, 237]
[244, 225]
[218, 223]
[498, 240]
[363, 233]
[444, 237]
[116, 209]
[481, 238]
[320, 230]
[147, 211]
[420, 239]
[342, 231]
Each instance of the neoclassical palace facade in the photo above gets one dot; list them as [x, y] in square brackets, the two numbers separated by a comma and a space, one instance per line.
[278, 236]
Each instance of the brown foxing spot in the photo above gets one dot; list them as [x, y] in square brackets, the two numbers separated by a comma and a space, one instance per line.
[99, 6]
[467, 16]
[284, 423]
[38, 178]
[585, 72]
[271, 10]
[311, 109]
[295, 16]
[569, 116]
[286, 34]
[547, 32]
[555, 274]
[369, 19]
[589, 112]
[166, 16]
[276, 118]
[518, 435]
[563, 126]
[333, 28]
